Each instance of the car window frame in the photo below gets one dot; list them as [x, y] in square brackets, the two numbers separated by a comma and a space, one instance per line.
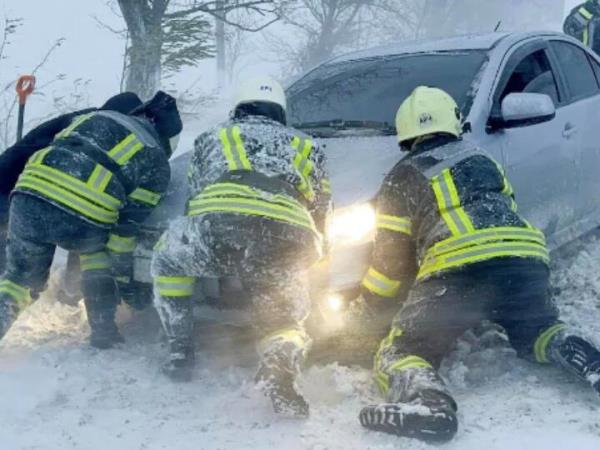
[569, 97]
[512, 59]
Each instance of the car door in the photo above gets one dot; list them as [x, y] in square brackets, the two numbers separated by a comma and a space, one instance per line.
[540, 159]
[577, 70]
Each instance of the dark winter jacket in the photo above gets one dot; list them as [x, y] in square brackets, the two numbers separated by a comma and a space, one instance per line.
[283, 167]
[12, 161]
[446, 205]
[105, 167]
[583, 23]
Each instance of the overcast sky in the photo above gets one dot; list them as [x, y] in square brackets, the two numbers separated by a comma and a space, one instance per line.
[89, 51]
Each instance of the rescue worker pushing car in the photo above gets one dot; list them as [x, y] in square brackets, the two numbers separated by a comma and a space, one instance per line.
[14, 158]
[583, 23]
[447, 213]
[87, 192]
[259, 200]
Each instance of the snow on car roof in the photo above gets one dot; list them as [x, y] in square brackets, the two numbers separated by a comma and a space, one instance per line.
[456, 43]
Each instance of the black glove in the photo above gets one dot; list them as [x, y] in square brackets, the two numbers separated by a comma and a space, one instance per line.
[135, 294]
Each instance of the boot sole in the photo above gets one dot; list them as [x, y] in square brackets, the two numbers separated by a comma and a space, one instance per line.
[411, 421]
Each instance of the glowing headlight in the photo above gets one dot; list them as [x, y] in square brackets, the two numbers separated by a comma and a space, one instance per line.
[335, 302]
[352, 225]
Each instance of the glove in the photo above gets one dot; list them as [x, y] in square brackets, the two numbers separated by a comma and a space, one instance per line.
[370, 318]
[135, 294]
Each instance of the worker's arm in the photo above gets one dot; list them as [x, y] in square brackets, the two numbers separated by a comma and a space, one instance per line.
[152, 172]
[321, 207]
[393, 262]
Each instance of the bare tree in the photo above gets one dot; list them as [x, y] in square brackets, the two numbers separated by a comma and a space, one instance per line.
[180, 28]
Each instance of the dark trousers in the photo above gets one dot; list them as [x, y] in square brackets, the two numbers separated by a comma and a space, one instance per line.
[36, 228]
[512, 292]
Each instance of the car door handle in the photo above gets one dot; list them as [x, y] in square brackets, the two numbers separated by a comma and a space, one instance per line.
[569, 131]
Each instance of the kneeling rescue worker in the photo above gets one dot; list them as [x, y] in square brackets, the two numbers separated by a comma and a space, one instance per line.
[446, 213]
[583, 23]
[87, 192]
[259, 199]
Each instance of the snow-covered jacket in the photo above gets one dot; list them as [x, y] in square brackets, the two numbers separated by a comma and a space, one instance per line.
[446, 205]
[107, 168]
[583, 23]
[257, 166]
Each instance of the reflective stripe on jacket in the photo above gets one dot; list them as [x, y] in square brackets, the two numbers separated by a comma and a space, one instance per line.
[81, 171]
[446, 205]
[286, 179]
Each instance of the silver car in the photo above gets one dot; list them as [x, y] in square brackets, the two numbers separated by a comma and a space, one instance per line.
[530, 99]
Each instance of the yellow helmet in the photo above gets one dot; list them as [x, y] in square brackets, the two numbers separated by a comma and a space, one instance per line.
[427, 111]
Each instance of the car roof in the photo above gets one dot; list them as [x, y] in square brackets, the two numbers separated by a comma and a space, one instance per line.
[485, 41]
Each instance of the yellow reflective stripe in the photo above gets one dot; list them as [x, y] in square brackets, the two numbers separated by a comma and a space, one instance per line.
[120, 244]
[326, 185]
[226, 146]
[226, 191]
[175, 286]
[123, 279]
[379, 284]
[586, 37]
[585, 13]
[252, 207]
[220, 187]
[76, 122]
[385, 344]
[483, 252]
[241, 151]
[145, 196]
[449, 204]
[75, 185]
[303, 165]
[394, 223]
[293, 335]
[94, 261]
[67, 198]
[541, 343]
[410, 362]
[126, 149]
[99, 178]
[20, 294]
[478, 237]
[38, 157]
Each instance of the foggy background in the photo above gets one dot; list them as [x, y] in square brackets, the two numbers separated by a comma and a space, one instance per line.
[78, 47]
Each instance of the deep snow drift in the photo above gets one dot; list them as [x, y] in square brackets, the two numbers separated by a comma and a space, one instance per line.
[57, 393]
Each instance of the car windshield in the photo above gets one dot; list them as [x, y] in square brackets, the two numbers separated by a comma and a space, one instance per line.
[362, 96]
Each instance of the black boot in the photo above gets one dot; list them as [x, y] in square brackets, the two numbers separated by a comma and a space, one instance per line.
[180, 365]
[8, 313]
[276, 377]
[430, 416]
[581, 358]
[101, 305]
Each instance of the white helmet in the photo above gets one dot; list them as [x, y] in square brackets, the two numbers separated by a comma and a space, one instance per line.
[260, 89]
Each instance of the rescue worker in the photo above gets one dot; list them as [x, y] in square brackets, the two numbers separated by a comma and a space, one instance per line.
[13, 159]
[446, 212]
[87, 192]
[259, 200]
[583, 23]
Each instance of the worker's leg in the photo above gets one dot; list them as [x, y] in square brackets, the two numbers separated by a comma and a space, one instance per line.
[532, 323]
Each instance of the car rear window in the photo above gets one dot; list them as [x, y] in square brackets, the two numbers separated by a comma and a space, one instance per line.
[372, 89]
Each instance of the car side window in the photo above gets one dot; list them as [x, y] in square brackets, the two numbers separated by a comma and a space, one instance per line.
[579, 75]
[533, 75]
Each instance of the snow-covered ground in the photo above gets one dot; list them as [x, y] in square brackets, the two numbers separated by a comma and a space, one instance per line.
[57, 393]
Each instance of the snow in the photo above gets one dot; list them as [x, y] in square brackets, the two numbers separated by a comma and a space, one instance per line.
[58, 393]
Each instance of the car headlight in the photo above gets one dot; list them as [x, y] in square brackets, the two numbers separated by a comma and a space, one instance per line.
[352, 225]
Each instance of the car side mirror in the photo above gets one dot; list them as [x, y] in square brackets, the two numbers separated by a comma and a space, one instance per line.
[524, 109]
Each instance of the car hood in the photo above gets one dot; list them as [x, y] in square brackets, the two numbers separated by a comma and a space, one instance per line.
[357, 166]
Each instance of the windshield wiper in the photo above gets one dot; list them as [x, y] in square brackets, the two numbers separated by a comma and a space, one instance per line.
[343, 125]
